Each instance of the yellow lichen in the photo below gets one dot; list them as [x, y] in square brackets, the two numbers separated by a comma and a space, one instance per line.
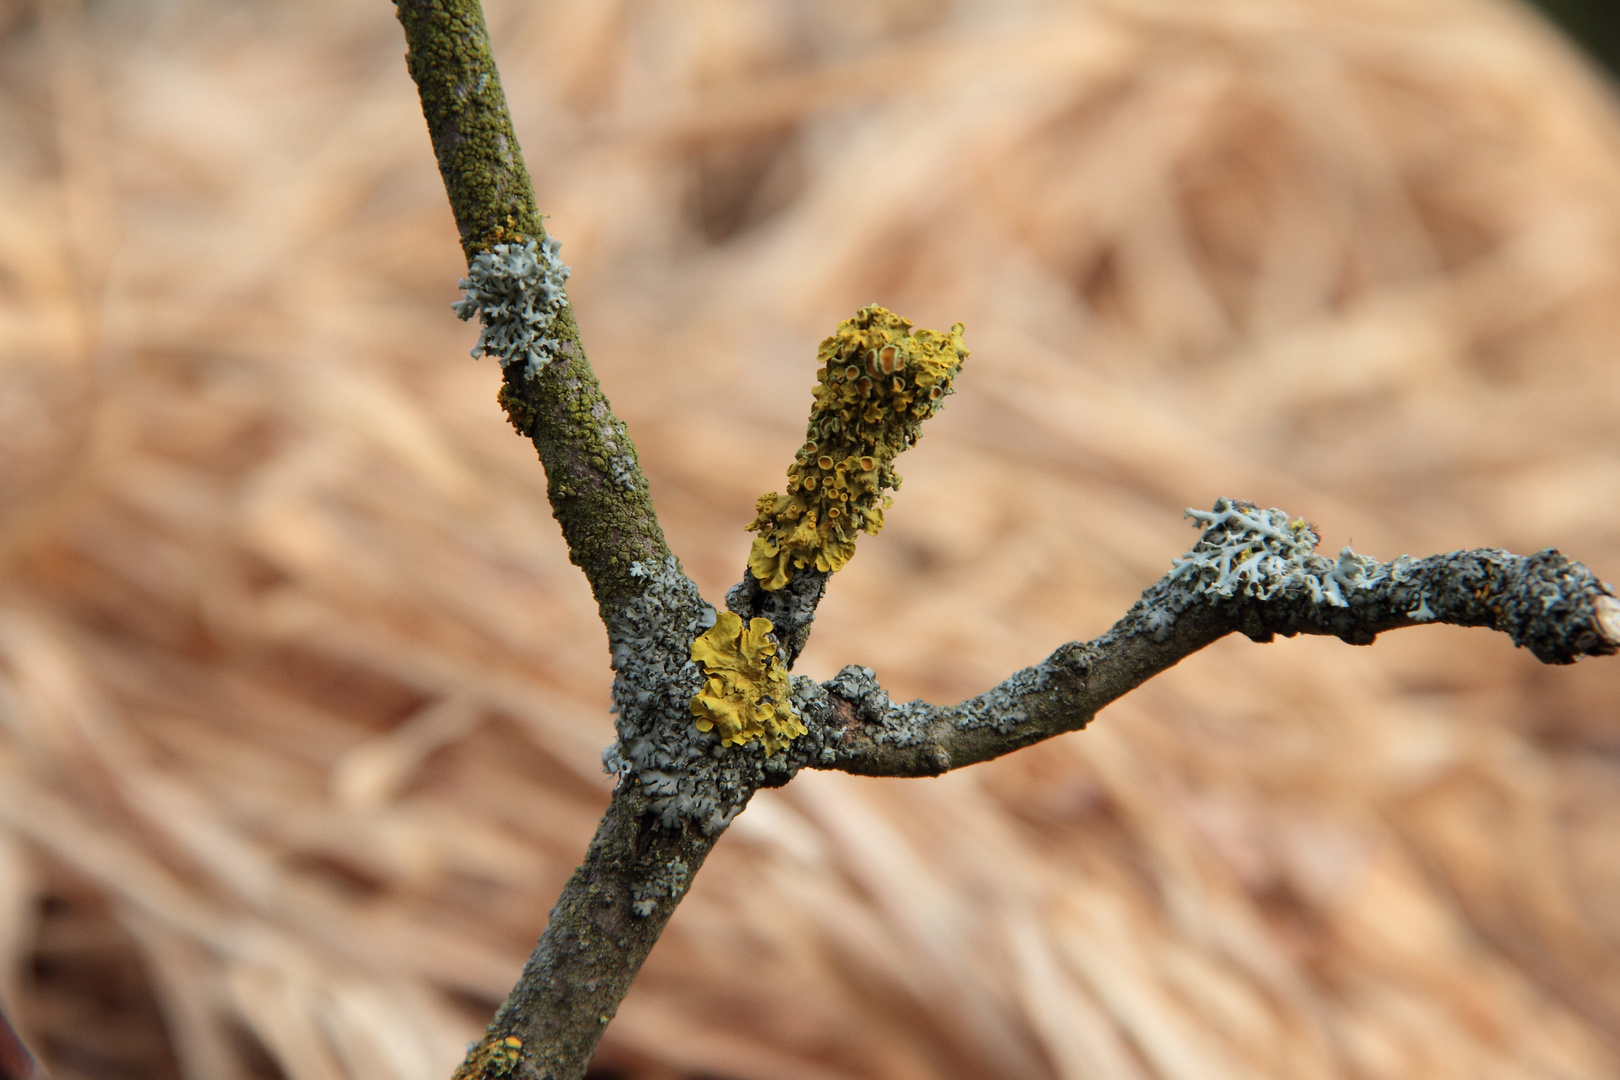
[878, 382]
[492, 1058]
[746, 694]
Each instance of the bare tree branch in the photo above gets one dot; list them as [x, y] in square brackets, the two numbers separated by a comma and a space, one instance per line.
[1253, 572]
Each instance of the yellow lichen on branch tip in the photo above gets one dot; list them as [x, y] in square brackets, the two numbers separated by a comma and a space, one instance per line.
[746, 693]
[878, 382]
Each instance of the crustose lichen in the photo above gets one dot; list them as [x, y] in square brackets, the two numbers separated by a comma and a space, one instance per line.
[878, 382]
[517, 290]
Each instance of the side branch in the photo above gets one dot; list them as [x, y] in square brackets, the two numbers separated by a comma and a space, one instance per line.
[594, 481]
[879, 380]
[1253, 572]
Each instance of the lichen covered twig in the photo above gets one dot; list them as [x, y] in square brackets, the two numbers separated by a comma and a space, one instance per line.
[1254, 572]
[879, 380]
[637, 867]
[707, 713]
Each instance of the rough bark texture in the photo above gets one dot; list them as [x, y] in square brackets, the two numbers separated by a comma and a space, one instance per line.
[791, 608]
[606, 512]
[594, 944]
[1556, 608]
[450, 60]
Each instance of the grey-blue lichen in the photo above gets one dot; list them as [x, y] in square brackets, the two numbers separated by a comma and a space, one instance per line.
[517, 290]
[621, 465]
[1266, 564]
[1252, 571]
[668, 882]
[1249, 553]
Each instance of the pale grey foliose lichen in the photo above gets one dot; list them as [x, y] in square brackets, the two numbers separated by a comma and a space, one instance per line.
[1265, 563]
[1249, 553]
[517, 290]
[685, 774]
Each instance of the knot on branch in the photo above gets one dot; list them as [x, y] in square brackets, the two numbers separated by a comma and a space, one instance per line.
[1554, 607]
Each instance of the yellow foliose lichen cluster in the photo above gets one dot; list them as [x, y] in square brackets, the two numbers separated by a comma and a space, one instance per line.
[746, 694]
[879, 381]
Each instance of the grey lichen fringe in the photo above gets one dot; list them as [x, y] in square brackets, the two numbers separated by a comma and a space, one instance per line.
[621, 463]
[685, 774]
[1263, 568]
[517, 290]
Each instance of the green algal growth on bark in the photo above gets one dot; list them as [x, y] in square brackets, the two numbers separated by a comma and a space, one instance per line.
[596, 491]
[465, 108]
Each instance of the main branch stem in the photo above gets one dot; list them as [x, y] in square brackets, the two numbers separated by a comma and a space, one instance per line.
[597, 491]
[594, 944]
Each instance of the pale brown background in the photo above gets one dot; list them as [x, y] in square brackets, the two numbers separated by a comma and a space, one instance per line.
[301, 703]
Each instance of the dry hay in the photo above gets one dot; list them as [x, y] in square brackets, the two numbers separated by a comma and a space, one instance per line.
[302, 702]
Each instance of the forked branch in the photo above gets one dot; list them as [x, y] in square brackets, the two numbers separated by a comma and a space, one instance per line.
[707, 712]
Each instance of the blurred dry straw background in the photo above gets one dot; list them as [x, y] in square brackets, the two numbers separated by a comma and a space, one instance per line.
[301, 702]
